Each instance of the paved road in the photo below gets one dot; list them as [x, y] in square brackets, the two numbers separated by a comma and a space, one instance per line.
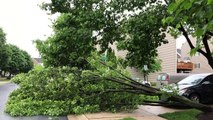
[5, 90]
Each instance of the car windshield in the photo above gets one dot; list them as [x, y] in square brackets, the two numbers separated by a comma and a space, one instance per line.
[191, 80]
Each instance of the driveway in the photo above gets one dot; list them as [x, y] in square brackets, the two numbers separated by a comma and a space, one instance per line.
[5, 90]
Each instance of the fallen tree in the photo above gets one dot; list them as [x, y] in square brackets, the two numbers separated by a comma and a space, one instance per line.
[139, 88]
[65, 90]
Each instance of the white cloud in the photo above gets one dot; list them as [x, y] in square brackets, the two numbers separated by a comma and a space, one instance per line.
[23, 21]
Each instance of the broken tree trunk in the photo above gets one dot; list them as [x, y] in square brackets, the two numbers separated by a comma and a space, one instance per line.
[139, 88]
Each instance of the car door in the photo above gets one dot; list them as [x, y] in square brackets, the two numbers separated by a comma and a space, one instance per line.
[207, 88]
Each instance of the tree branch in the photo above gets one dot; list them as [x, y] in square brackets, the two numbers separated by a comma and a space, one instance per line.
[185, 34]
[129, 91]
[126, 77]
[210, 33]
[206, 45]
[149, 90]
[166, 2]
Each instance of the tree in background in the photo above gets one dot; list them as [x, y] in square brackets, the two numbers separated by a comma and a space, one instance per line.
[69, 46]
[143, 34]
[102, 23]
[193, 18]
[19, 61]
[27, 63]
[3, 50]
[2, 37]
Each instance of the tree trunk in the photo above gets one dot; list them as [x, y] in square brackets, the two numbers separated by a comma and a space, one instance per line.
[137, 88]
[210, 61]
[4, 74]
[185, 101]
[1, 73]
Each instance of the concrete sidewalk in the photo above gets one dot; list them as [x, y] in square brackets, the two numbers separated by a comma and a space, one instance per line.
[144, 112]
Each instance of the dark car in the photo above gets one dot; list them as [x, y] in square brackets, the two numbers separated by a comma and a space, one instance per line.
[197, 87]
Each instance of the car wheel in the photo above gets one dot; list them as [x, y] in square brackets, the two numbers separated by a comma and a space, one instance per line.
[195, 98]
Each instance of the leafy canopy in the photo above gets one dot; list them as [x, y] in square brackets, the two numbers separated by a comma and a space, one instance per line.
[84, 24]
[143, 34]
[18, 60]
[70, 44]
[193, 18]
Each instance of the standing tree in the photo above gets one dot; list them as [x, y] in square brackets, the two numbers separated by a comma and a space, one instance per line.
[69, 46]
[19, 61]
[3, 50]
[2, 37]
[84, 24]
[27, 63]
[193, 18]
[143, 34]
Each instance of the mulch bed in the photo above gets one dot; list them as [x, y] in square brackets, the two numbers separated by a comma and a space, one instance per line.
[205, 116]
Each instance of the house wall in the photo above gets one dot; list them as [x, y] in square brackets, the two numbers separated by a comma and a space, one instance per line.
[167, 53]
[197, 59]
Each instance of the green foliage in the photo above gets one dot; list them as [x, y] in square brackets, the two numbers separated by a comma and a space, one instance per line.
[143, 38]
[197, 14]
[70, 44]
[3, 50]
[128, 118]
[4, 56]
[153, 84]
[182, 115]
[168, 91]
[2, 37]
[193, 18]
[84, 24]
[19, 61]
[19, 78]
[65, 90]
[12, 59]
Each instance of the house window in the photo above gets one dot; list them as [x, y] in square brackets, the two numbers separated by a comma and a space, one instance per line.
[197, 54]
[197, 65]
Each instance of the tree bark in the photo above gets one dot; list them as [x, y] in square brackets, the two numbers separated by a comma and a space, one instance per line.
[206, 54]
[136, 87]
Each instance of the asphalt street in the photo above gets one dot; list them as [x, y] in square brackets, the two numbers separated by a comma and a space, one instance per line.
[5, 90]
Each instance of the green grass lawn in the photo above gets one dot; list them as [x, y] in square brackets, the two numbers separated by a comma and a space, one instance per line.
[128, 118]
[3, 81]
[182, 115]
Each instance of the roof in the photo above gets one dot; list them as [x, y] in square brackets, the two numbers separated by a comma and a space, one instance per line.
[38, 60]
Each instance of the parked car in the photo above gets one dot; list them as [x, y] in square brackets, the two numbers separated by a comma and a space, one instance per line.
[197, 87]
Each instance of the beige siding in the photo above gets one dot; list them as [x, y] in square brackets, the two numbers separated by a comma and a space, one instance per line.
[199, 58]
[168, 54]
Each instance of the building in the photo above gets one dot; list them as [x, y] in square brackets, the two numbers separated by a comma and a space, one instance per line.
[174, 61]
[167, 53]
[200, 62]
[37, 61]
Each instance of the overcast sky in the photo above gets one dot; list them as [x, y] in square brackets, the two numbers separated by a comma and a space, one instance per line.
[23, 21]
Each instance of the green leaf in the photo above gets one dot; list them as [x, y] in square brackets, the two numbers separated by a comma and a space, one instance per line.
[178, 26]
[187, 4]
[193, 52]
[210, 2]
[169, 20]
[199, 32]
[172, 7]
